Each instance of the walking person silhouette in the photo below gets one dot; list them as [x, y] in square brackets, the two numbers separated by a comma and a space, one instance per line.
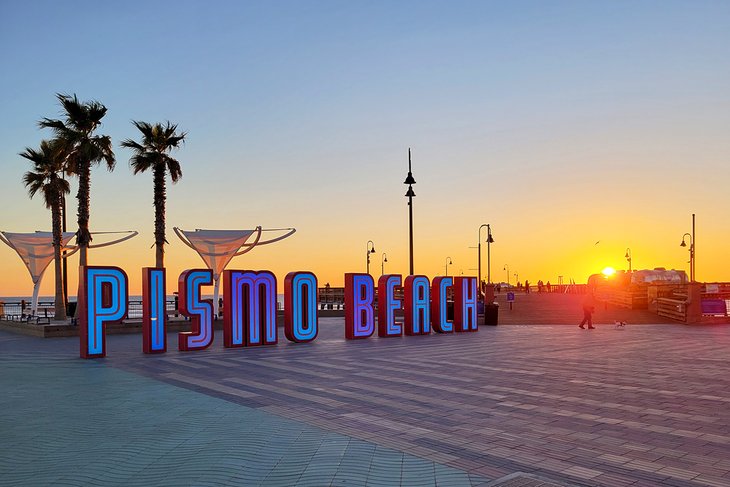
[589, 306]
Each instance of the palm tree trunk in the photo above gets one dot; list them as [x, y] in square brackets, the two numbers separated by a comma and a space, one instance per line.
[160, 198]
[59, 304]
[64, 259]
[84, 237]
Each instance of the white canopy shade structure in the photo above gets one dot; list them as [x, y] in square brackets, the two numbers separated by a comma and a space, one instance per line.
[218, 247]
[129, 234]
[36, 252]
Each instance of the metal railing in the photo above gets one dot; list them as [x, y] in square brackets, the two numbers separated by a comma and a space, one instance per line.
[20, 310]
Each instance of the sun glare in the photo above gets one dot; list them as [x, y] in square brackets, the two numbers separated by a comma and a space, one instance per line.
[608, 271]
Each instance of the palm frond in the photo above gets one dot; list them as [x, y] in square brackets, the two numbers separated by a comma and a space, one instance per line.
[173, 165]
[48, 162]
[157, 141]
[106, 149]
[31, 154]
[74, 110]
[96, 111]
[143, 127]
[131, 144]
[33, 181]
[142, 162]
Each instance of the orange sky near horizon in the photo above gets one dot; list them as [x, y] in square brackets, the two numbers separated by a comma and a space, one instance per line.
[565, 248]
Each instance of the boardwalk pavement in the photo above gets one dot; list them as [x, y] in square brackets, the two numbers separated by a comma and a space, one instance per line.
[646, 405]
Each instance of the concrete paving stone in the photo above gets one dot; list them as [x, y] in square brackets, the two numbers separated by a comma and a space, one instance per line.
[460, 482]
[709, 471]
[612, 480]
[581, 472]
[713, 481]
[348, 481]
[601, 381]
[676, 482]
[379, 483]
[321, 477]
[381, 473]
[431, 482]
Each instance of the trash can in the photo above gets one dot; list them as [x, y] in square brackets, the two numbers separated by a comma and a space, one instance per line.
[71, 309]
[491, 314]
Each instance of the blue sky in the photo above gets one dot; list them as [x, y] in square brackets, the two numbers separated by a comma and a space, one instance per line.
[589, 119]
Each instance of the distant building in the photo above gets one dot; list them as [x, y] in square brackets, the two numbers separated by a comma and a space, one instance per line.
[659, 275]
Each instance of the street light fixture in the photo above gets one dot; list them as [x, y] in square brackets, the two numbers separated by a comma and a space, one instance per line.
[383, 260]
[691, 255]
[369, 249]
[692, 244]
[64, 259]
[506, 268]
[628, 257]
[479, 251]
[448, 262]
[410, 181]
[490, 241]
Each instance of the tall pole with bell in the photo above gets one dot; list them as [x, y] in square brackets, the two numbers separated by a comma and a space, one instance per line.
[490, 241]
[691, 250]
[369, 249]
[410, 181]
[479, 256]
[64, 259]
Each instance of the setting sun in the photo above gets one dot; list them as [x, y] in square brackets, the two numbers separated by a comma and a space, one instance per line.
[608, 271]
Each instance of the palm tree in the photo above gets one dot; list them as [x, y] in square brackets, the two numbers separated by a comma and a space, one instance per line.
[48, 165]
[81, 119]
[153, 153]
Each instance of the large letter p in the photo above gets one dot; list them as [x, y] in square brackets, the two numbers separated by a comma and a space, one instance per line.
[103, 296]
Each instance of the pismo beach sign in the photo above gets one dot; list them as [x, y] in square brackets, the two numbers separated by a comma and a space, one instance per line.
[249, 316]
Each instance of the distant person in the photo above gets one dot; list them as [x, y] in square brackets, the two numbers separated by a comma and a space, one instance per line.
[519, 286]
[549, 288]
[539, 286]
[589, 306]
[527, 286]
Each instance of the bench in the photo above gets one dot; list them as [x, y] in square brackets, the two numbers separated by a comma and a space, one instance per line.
[674, 309]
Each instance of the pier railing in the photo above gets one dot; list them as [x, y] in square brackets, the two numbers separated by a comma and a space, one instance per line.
[20, 310]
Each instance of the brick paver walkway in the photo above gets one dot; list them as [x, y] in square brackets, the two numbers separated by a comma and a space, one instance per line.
[552, 309]
[647, 405]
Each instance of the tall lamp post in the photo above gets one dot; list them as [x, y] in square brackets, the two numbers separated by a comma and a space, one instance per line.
[448, 261]
[506, 268]
[517, 277]
[369, 249]
[64, 260]
[410, 181]
[691, 255]
[479, 254]
[628, 257]
[383, 260]
[490, 241]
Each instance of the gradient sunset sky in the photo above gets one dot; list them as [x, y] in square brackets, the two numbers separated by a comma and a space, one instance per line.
[561, 124]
